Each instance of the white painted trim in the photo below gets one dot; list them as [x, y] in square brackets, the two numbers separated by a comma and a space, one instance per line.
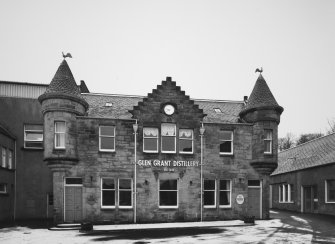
[159, 186]
[109, 206]
[203, 194]
[231, 141]
[175, 139]
[230, 191]
[326, 193]
[131, 192]
[57, 121]
[107, 150]
[261, 196]
[157, 138]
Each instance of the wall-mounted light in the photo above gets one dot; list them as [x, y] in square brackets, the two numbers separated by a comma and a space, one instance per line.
[135, 127]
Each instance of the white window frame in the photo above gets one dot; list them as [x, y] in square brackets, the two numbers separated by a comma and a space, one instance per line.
[175, 136]
[10, 158]
[326, 191]
[151, 137]
[230, 191]
[270, 140]
[33, 131]
[127, 190]
[186, 139]
[5, 191]
[57, 132]
[101, 191]
[159, 192]
[209, 206]
[4, 157]
[231, 141]
[282, 193]
[106, 150]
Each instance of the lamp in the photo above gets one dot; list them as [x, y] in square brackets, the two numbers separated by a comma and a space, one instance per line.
[202, 129]
[135, 127]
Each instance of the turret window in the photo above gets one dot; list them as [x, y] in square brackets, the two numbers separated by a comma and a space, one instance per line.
[59, 134]
[107, 138]
[150, 140]
[268, 142]
[168, 138]
[226, 142]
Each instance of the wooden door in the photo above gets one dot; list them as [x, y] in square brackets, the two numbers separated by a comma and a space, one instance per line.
[73, 204]
[254, 202]
[308, 200]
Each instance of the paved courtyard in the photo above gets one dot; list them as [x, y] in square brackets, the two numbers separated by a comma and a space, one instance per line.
[284, 227]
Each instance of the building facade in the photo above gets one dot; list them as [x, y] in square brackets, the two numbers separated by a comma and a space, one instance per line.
[25, 180]
[162, 157]
[304, 180]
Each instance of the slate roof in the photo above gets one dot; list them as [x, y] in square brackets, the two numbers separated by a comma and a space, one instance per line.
[63, 81]
[261, 96]
[318, 152]
[122, 103]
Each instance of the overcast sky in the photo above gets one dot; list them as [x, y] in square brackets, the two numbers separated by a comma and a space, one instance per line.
[210, 48]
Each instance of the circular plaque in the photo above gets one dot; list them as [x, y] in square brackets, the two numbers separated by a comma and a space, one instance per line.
[240, 199]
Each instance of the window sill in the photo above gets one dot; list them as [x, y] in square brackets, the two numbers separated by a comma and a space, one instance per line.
[168, 207]
[150, 152]
[227, 154]
[126, 208]
[330, 202]
[31, 149]
[210, 207]
[225, 207]
[107, 208]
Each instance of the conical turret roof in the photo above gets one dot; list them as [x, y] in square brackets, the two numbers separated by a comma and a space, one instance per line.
[63, 81]
[261, 96]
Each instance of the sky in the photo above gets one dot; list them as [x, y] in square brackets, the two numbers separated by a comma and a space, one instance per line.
[211, 48]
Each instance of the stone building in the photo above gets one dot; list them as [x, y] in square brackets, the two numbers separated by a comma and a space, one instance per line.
[305, 178]
[25, 180]
[158, 158]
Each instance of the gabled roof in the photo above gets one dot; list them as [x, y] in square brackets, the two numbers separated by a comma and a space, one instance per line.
[318, 152]
[63, 81]
[118, 106]
[261, 96]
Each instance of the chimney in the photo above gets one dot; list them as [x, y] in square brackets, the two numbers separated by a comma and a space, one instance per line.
[245, 99]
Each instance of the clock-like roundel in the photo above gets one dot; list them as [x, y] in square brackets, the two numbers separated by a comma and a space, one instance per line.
[169, 109]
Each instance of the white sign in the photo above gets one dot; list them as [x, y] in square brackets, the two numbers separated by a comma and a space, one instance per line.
[167, 163]
[240, 199]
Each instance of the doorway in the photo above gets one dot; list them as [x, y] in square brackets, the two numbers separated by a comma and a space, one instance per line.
[73, 200]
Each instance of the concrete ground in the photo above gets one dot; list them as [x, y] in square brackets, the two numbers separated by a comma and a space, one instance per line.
[283, 227]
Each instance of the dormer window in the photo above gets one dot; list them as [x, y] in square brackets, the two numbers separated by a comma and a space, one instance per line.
[108, 104]
[217, 110]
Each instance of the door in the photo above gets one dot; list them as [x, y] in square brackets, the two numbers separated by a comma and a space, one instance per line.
[308, 200]
[73, 204]
[254, 198]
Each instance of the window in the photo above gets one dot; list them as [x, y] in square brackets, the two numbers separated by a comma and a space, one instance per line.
[226, 142]
[107, 138]
[10, 159]
[330, 191]
[60, 134]
[3, 156]
[168, 194]
[125, 193]
[209, 193]
[107, 193]
[33, 136]
[150, 140]
[50, 198]
[217, 110]
[185, 141]
[285, 193]
[168, 132]
[3, 188]
[225, 194]
[268, 142]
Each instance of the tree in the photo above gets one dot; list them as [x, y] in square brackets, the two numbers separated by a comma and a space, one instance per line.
[286, 142]
[331, 124]
[308, 137]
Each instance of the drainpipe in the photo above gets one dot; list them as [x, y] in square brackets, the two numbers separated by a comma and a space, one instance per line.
[135, 127]
[202, 131]
[15, 186]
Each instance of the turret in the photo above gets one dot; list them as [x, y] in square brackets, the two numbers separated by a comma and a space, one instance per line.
[61, 103]
[263, 111]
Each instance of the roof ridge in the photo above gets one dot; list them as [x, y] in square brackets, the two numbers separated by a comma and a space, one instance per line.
[302, 144]
[140, 96]
[23, 83]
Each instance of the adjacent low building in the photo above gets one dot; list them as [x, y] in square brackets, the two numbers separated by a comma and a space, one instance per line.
[305, 178]
[158, 158]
